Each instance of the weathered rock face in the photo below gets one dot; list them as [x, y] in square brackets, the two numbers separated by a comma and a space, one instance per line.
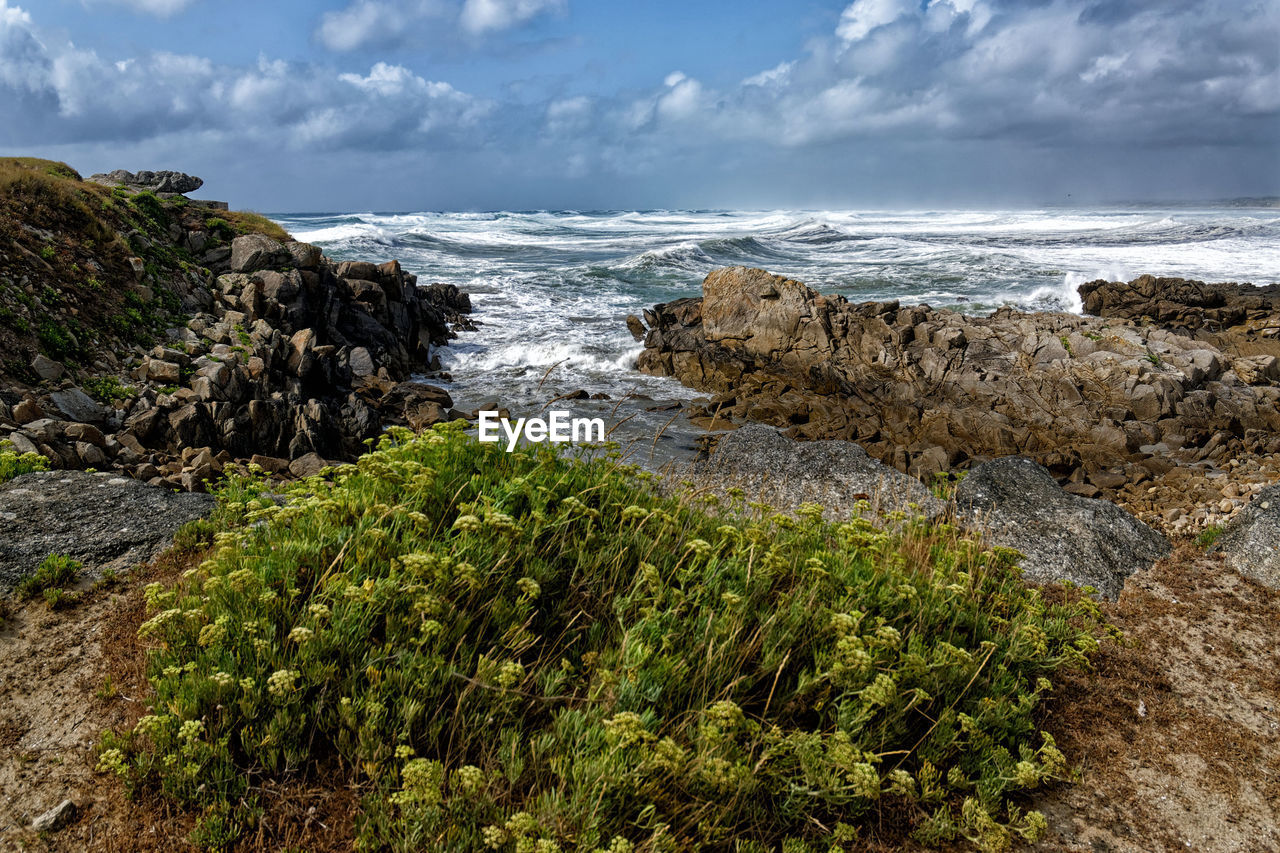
[293, 356]
[1064, 537]
[1100, 401]
[100, 519]
[1250, 543]
[156, 182]
[785, 473]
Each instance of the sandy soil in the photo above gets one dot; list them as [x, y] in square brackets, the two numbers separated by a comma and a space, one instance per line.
[1176, 732]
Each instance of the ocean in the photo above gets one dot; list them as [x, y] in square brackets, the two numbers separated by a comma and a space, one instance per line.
[551, 289]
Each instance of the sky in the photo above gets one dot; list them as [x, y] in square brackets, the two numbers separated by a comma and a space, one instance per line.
[355, 105]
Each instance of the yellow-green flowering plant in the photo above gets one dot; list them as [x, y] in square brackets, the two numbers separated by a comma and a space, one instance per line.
[525, 652]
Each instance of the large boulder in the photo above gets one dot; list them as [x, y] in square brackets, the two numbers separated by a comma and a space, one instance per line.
[1063, 537]
[785, 473]
[101, 520]
[253, 252]
[1250, 544]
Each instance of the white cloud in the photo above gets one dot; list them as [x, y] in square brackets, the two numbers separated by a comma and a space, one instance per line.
[24, 63]
[568, 116]
[283, 104]
[862, 16]
[379, 23]
[481, 16]
[160, 8]
[371, 22]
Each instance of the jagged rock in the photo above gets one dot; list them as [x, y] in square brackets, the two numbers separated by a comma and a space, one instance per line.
[1064, 537]
[1250, 542]
[156, 182]
[1177, 303]
[636, 327]
[103, 520]
[928, 390]
[783, 472]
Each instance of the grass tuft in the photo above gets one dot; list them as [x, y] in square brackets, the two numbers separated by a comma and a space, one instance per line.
[522, 652]
[53, 573]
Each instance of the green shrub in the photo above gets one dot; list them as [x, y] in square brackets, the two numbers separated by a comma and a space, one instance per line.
[106, 389]
[54, 572]
[523, 652]
[1207, 537]
[55, 340]
[14, 464]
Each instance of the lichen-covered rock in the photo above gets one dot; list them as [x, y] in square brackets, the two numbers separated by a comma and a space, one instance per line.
[1250, 543]
[102, 520]
[1064, 537]
[786, 473]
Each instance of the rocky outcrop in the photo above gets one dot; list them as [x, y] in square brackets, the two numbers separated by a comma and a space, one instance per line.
[101, 520]
[1064, 537]
[292, 356]
[156, 182]
[1105, 404]
[1182, 304]
[772, 468]
[1250, 543]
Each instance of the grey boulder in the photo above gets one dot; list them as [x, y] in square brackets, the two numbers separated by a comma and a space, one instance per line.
[99, 519]
[78, 406]
[1250, 543]
[785, 473]
[254, 252]
[1063, 537]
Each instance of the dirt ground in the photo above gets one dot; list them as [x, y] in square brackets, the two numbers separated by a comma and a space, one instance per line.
[1176, 732]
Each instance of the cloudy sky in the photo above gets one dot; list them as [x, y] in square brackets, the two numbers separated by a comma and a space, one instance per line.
[291, 105]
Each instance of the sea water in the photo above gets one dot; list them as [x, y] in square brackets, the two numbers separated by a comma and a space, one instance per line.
[551, 289]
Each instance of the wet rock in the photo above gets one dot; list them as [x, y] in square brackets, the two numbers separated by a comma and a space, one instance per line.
[1064, 537]
[785, 473]
[1250, 542]
[103, 520]
[636, 327]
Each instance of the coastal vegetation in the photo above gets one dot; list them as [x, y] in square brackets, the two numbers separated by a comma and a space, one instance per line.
[92, 267]
[527, 652]
[14, 464]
